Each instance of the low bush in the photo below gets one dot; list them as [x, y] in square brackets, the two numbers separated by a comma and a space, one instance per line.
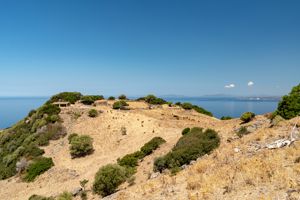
[242, 131]
[289, 106]
[226, 118]
[37, 167]
[153, 144]
[122, 97]
[38, 197]
[50, 132]
[90, 99]
[65, 196]
[185, 131]
[247, 117]
[71, 136]
[189, 147]
[70, 97]
[93, 113]
[151, 99]
[119, 104]
[111, 98]
[81, 146]
[189, 106]
[108, 178]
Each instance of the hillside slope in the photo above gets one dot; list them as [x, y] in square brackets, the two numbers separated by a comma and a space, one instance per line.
[239, 168]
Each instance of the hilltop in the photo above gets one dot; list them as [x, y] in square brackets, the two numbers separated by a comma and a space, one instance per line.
[241, 167]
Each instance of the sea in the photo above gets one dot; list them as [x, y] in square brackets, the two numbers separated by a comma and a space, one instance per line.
[13, 109]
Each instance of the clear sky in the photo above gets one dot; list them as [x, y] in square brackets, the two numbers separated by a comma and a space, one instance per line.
[136, 47]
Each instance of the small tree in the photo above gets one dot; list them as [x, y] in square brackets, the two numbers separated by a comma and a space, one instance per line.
[111, 98]
[81, 146]
[108, 178]
[289, 106]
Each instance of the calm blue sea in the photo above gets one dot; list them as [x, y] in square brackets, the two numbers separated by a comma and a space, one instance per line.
[14, 109]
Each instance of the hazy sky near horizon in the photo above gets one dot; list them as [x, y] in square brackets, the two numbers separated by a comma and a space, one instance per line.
[138, 47]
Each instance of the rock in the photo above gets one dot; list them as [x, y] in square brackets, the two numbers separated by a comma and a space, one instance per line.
[76, 191]
[184, 166]
[154, 175]
[192, 162]
[279, 144]
[236, 150]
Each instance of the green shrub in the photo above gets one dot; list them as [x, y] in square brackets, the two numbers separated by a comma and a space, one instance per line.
[81, 146]
[189, 147]
[153, 144]
[151, 99]
[226, 118]
[93, 113]
[70, 97]
[289, 106]
[90, 99]
[108, 178]
[122, 97]
[242, 131]
[187, 106]
[185, 131]
[119, 104]
[49, 109]
[111, 98]
[247, 117]
[178, 103]
[129, 160]
[39, 166]
[65, 196]
[38, 197]
[71, 136]
[31, 113]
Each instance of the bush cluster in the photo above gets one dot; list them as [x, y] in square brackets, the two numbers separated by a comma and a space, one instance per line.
[37, 167]
[70, 97]
[80, 145]
[90, 99]
[289, 106]
[93, 113]
[151, 99]
[189, 147]
[247, 117]
[120, 104]
[25, 137]
[226, 118]
[189, 106]
[109, 177]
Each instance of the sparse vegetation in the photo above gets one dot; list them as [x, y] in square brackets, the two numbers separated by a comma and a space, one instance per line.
[93, 113]
[65, 196]
[289, 106]
[39, 166]
[108, 178]
[242, 131]
[247, 117]
[38, 197]
[189, 147]
[226, 118]
[119, 104]
[80, 145]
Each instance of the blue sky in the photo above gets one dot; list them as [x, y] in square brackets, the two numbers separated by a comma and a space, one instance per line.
[138, 47]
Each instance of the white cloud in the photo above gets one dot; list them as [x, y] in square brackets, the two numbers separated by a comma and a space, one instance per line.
[250, 83]
[230, 86]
